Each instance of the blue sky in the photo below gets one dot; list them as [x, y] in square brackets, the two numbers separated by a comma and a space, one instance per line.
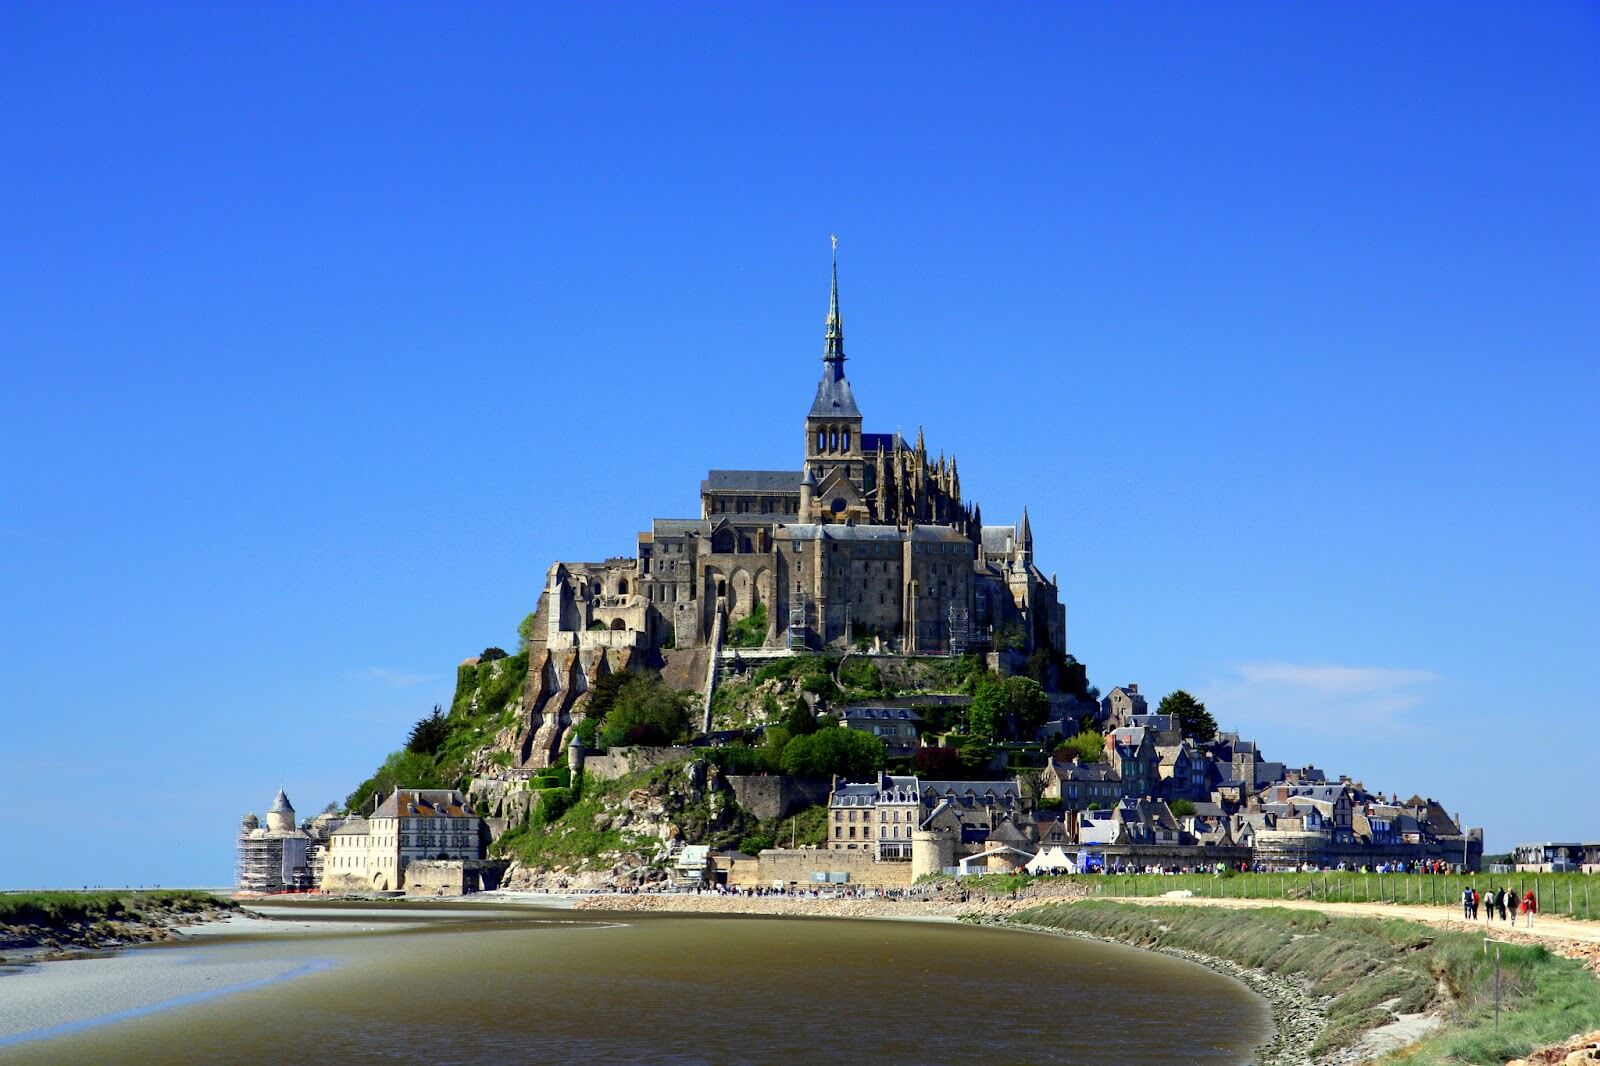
[327, 329]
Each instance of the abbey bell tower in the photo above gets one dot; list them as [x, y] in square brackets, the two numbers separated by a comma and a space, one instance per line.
[835, 460]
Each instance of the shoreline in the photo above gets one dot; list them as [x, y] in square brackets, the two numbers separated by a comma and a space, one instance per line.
[1297, 1018]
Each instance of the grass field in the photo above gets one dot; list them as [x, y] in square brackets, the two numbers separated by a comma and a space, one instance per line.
[1574, 895]
[61, 908]
[1373, 968]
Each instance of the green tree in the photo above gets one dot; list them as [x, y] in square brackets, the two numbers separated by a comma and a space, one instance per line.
[1181, 808]
[1191, 715]
[849, 753]
[430, 733]
[1027, 707]
[1088, 746]
[525, 632]
[986, 718]
[646, 711]
[799, 720]
[490, 654]
[1010, 636]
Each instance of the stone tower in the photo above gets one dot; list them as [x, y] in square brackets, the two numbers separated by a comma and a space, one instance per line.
[280, 815]
[833, 425]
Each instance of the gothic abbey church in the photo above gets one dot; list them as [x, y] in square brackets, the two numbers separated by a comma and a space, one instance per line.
[868, 541]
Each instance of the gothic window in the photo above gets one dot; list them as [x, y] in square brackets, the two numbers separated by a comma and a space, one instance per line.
[822, 440]
[846, 440]
[833, 440]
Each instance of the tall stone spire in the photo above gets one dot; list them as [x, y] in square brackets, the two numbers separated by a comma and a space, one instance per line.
[834, 398]
[833, 341]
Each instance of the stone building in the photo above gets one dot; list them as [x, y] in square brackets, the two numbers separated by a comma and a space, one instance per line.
[414, 825]
[869, 538]
[278, 856]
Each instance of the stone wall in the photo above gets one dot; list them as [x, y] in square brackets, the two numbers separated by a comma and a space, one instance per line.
[794, 867]
[770, 797]
[617, 762]
[452, 877]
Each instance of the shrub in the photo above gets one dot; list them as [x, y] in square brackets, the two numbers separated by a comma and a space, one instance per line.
[846, 752]
[553, 803]
[646, 711]
[749, 631]
[755, 843]
[490, 654]
[938, 763]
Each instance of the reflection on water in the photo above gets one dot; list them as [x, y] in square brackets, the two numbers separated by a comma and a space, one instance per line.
[469, 983]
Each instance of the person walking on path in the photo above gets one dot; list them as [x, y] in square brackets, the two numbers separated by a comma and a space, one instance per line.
[1488, 904]
[1466, 902]
[1507, 903]
[1530, 907]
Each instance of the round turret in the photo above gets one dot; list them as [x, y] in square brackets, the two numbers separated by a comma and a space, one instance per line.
[280, 815]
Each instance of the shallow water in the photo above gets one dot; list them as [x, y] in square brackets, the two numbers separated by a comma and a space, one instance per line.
[470, 983]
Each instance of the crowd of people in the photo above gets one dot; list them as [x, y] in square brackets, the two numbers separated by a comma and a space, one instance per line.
[1498, 904]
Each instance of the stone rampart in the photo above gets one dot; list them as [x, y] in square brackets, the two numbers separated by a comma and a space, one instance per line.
[618, 762]
[452, 877]
[794, 867]
[773, 796]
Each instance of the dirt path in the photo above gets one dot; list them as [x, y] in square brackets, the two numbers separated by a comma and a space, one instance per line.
[1565, 936]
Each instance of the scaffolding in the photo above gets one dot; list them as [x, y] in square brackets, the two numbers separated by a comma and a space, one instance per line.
[964, 636]
[273, 861]
[796, 637]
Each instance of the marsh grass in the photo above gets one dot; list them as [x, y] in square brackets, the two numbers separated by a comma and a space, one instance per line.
[1369, 970]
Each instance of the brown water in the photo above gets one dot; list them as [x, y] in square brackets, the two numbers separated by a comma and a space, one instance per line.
[477, 984]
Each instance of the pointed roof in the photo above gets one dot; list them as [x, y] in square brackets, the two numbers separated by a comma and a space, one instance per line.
[281, 804]
[834, 398]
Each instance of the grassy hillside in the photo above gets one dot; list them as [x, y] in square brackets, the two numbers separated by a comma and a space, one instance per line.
[1373, 968]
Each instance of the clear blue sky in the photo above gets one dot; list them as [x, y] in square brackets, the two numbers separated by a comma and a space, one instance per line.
[326, 329]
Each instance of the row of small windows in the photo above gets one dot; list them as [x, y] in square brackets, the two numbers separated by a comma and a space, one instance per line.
[833, 439]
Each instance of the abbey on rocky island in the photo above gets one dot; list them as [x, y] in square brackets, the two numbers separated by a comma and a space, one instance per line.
[869, 540]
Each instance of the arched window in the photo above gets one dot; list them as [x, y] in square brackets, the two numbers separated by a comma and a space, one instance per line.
[722, 587]
[847, 440]
[617, 623]
[622, 586]
[833, 440]
[837, 506]
[822, 440]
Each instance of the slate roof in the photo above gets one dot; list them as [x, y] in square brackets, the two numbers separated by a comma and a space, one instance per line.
[999, 540]
[834, 398]
[886, 714]
[424, 803]
[677, 527]
[814, 531]
[870, 441]
[280, 804]
[751, 481]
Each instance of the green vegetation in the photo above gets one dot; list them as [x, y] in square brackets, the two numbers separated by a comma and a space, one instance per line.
[644, 710]
[55, 909]
[441, 746]
[1088, 746]
[849, 753]
[430, 733]
[1372, 969]
[1181, 808]
[1576, 895]
[749, 631]
[1191, 715]
[1009, 707]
